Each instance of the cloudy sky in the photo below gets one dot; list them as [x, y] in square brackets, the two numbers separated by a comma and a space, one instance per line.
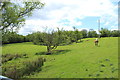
[83, 14]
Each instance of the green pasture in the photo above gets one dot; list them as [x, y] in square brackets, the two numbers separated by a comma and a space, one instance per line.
[77, 60]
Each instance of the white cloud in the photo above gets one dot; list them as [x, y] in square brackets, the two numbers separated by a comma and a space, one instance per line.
[114, 29]
[57, 10]
[106, 23]
[40, 25]
[114, 26]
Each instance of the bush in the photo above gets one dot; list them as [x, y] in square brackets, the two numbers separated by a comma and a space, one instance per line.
[31, 66]
[13, 37]
[9, 57]
[18, 71]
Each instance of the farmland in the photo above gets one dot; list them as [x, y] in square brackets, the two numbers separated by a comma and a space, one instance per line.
[77, 60]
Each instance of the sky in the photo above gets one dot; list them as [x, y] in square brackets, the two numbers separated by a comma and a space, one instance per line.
[66, 14]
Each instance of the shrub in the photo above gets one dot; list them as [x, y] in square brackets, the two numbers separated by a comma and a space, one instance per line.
[9, 57]
[18, 71]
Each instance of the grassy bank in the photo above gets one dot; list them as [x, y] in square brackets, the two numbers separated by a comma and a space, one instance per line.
[78, 60]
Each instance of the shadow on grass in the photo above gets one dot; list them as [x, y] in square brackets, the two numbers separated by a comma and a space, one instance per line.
[80, 41]
[54, 52]
[97, 45]
[57, 52]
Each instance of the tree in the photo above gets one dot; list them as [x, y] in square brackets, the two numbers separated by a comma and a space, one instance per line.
[105, 32]
[115, 33]
[92, 34]
[12, 37]
[77, 35]
[13, 14]
[52, 39]
[84, 33]
[70, 36]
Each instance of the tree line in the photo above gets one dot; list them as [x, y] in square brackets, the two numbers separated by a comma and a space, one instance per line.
[13, 37]
[56, 38]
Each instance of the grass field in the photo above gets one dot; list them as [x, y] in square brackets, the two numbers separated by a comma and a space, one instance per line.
[78, 60]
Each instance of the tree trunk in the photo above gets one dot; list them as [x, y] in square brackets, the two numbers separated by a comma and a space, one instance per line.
[48, 49]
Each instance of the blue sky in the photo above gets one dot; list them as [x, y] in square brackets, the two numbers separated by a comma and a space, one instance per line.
[83, 14]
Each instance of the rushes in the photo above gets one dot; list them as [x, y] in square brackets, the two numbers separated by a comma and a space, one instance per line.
[9, 57]
[28, 68]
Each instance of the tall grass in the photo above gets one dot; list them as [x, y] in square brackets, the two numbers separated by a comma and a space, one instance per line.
[19, 71]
